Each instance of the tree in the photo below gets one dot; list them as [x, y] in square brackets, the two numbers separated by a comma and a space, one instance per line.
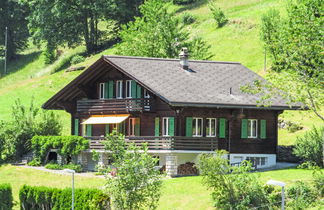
[136, 184]
[74, 22]
[233, 187]
[26, 122]
[295, 44]
[13, 15]
[158, 33]
[218, 14]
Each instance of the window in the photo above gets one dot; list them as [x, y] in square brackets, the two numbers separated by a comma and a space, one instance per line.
[101, 90]
[165, 126]
[259, 161]
[146, 94]
[131, 127]
[211, 127]
[197, 125]
[119, 89]
[252, 128]
[128, 88]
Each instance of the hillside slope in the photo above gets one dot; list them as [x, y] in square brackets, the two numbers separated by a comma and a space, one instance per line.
[237, 41]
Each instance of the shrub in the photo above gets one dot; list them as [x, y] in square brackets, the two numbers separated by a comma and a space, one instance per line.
[318, 176]
[181, 2]
[233, 187]
[76, 167]
[188, 18]
[52, 198]
[300, 195]
[34, 162]
[53, 166]
[218, 14]
[6, 200]
[67, 146]
[310, 146]
[77, 59]
[49, 55]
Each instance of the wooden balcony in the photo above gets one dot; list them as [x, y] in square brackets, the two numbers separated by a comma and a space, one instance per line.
[165, 143]
[114, 105]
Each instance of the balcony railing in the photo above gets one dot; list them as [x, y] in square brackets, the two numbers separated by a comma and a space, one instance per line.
[114, 105]
[165, 143]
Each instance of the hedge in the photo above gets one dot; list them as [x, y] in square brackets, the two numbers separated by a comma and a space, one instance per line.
[6, 200]
[66, 146]
[55, 199]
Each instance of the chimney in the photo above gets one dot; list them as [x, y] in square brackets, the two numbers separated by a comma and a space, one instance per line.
[184, 58]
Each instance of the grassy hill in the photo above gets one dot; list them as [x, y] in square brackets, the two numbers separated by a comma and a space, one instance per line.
[237, 41]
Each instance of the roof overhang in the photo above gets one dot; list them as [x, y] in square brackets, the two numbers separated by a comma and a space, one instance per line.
[105, 119]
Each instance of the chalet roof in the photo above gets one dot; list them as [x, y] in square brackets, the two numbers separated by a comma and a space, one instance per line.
[206, 83]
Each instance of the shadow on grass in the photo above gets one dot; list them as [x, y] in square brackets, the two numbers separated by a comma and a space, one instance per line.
[18, 63]
[194, 5]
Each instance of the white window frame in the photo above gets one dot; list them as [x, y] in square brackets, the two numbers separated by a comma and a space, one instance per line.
[131, 126]
[210, 120]
[128, 88]
[146, 94]
[250, 135]
[101, 90]
[196, 119]
[119, 89]
[165, 129]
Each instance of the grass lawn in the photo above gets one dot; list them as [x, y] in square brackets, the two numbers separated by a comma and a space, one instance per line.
[178, 193]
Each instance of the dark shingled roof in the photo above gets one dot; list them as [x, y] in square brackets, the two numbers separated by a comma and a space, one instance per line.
[206, 83]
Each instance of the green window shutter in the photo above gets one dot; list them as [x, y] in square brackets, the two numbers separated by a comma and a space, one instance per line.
[157, 127]
[76, 127]
[88, 130]
[107, 129]
[137, 127]
[263, 134]
[222, 127]
[139, 91]
[244, 129]
[133, 93]
[171, 126]
[111, 89]
[106, 92]
[189, 126]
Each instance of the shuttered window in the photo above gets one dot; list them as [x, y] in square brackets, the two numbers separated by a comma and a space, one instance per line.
[76, 127]
[101, 90]
[249, 128]
[157, 126]
[128, 88]
[197, 127]
[263, 134]
[244, 130]
[222, 128]
[189, 126]
[211, 127]
[119, 89]
[168, 126]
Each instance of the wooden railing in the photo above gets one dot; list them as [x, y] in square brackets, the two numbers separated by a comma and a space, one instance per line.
[115, 105]
[165, 143]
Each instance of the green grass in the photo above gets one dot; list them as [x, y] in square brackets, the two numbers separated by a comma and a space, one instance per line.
[237, 41]
[177, 193]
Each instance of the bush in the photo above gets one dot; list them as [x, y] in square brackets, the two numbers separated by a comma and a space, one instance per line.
[181, 2]
[52, 198]
[318, 176]
[76, 167]
[233, 187]
[67, 146]
[49, 55]
[34, 162]
[310, 146]
[300, 195]
[188, 18]
[53, 166]
[218, 14]
[77, 59]
[6, 200]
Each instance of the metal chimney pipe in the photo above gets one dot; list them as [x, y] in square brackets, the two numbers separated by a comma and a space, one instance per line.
[184, 55]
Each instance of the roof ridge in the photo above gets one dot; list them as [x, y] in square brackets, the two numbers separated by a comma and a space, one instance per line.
[168, 59]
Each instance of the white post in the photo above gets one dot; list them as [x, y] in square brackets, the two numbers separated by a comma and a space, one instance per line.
[72, 172]
[282, 185]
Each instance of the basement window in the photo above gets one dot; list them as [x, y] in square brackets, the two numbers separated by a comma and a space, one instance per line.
[259, 161]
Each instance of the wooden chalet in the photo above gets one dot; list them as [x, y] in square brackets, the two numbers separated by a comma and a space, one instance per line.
[180, 107]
